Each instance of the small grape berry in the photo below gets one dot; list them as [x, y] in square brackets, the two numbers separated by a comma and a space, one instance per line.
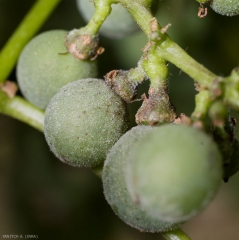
[115, 189]
[225, 7]
[83, 121]
[45, 66]
[174, 172]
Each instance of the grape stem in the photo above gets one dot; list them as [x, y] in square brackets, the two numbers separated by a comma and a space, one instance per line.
[102, 11]
[167, 48]
[176, 234]
[20, 109]
[32, 22]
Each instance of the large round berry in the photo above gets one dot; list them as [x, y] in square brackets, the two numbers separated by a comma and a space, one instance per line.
[115, 185]
[45, 66]
[83, 121]
[117, 25]
[174, 172]
[225, 7]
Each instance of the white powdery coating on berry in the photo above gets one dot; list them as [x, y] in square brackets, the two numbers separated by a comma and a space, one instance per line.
[45, 66]
[225, 7]
[174, 172]
[83, 121]
[115, 190]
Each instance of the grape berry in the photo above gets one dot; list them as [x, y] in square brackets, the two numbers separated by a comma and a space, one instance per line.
[225, 7]
[45, 66]
[115, 189]
[83, 121]
[174, 172]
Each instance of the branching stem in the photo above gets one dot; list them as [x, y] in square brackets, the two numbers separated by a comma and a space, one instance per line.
[22, 110]
[167, 48]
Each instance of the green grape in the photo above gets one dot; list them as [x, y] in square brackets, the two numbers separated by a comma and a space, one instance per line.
[115, 190]
[45, 66]
[174, 172]
[119, 23]
[83, 121]
[225, 7]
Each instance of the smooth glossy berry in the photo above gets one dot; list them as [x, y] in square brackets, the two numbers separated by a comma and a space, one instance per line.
[45, 66]
[83, 121]
[115, 189]
[174, 172]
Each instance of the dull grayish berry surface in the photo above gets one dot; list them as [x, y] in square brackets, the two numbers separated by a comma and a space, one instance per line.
[83, 121]
[45, 66]
[115, 189]
[174, 172]
[225, 7]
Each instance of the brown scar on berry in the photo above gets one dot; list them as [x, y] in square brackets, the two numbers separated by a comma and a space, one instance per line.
[10, 88]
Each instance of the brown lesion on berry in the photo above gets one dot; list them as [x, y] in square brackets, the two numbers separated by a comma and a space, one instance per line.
[10, 88]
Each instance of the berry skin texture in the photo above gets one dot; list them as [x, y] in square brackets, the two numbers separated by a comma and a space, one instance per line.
[115, 190]
[174, 172]
[45, 66]
[83, 121]
[117, 25]
[225, 7]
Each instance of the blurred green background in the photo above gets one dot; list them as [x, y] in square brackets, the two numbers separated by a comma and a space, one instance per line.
[42, 196]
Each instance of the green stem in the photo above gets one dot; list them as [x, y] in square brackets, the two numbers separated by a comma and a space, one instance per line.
[202, 102]
[25, 31]
[102, 11]
[155, 68]
[166, 48]
[22, 110]
[176, 234]
[141, 14]
[171, 52]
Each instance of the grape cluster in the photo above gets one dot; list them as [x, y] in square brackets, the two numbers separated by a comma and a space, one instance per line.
[154, 177]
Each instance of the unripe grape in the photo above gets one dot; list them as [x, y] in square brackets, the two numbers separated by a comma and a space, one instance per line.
[174, 172]
[83, 121]
[225, 7]
[45, 66]
[117, 25]
[115, 185]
